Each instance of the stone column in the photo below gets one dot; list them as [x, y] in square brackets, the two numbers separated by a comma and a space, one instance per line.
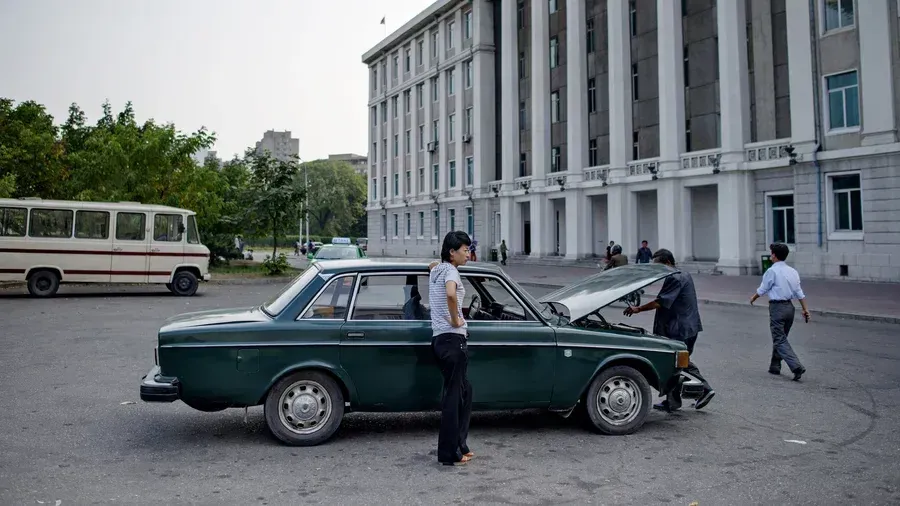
[620, 214]
[876, 73]
[414, 143]
[620, 103]
[483, 95]
[763, 69]
[576, 86]
[578, 225]
[540, 123]
[672, 213]
[509, 108]
[671, 84]
[403, 163]
[737, 214]
[803, 112]
[459, 153]
[734, 82]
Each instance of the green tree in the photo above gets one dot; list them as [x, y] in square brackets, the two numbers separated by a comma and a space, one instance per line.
[7, 186]
[30, 150]
[337, 196]
[273, 196]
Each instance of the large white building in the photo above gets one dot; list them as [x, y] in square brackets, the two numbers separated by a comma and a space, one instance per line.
[709, 128]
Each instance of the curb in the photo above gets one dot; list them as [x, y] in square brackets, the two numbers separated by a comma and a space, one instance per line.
[894, 320]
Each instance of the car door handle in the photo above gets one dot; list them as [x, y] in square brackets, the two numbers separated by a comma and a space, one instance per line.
[356, 335]
[117, 249]
[155, 250]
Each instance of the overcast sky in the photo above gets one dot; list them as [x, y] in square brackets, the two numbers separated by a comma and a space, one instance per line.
[238, 68]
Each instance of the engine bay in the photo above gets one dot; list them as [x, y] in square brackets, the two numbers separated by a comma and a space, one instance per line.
[596, 321]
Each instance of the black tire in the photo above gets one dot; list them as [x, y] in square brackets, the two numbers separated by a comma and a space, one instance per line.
[614, 394]
[43, 283]
[185, 283]
[169, 287]
[207, 407]
[324, 418]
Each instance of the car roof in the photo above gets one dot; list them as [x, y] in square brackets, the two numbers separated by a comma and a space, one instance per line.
[380, 264]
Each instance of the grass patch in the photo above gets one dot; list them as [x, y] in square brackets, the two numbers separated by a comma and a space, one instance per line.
[246, 269]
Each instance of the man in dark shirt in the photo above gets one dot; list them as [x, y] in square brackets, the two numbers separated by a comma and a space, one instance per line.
[677, 317]
[644, 254]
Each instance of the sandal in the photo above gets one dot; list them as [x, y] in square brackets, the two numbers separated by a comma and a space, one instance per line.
[470, 455]
[465, 459]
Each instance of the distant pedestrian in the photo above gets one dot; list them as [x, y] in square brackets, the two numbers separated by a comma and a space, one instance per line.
[503, 251]
[644, 254]
[782, 284]
[609, 252]
[677, 317]
[617, 259]
[472, 250]
[450, 346]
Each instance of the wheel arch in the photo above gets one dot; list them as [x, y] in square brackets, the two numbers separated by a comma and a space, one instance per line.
[637, 362]
[52, 268]
[192, 268]
[348, 390]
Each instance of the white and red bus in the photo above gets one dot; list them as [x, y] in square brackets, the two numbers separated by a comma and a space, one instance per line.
[48, 242]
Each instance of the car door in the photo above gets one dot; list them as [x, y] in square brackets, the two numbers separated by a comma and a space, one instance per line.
[386, 343]
[166, 246]
[130, 247]
[511, 361]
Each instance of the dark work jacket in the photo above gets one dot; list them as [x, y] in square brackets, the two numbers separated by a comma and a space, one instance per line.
[678, 316]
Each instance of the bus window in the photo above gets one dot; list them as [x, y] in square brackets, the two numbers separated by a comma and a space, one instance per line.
[51, 223]
[12, 221]
[130, 226]
[92, 225]
[193, 237]
[167, 227]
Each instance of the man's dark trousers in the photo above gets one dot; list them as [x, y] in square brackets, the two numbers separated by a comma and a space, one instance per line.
[452, 354]
[674, 396]
[781, 319]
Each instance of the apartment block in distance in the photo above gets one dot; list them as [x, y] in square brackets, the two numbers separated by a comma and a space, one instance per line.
[280, 145]
[711, 128]
[359, 163]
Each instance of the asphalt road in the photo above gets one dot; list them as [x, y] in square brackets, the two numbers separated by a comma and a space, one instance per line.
[74, 430]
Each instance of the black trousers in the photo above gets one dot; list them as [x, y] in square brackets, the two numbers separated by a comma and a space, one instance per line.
[452, 354]
[674, 397]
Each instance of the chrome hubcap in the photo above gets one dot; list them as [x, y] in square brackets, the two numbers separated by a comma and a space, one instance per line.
[619, 400]
[305, 407]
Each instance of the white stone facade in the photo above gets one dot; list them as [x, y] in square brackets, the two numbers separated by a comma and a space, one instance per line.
[705, 127]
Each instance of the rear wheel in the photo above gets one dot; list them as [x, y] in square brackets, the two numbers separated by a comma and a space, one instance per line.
[304, 408]
[618, 400]
[185, 283]
[43, 283]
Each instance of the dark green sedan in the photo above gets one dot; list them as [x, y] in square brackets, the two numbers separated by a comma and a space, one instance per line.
[355, 335]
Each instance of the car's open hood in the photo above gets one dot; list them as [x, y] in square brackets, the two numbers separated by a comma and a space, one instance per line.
[602, 289]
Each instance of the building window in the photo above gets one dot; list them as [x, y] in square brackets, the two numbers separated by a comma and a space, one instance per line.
[470, 171]
[374, 116]
[435, 177]
[686, 67]
[782, 218]
[467, 126]
[554, 107]
[467, 24]
[396, 225]
[396, 184]
[632, 17]
[451, 127]
[407, 58]
[421, 179]
[451, 82]
[470, 222]
[523, 118]
[452, 164]
[384, 74]
[434, 130]
[408, 225]
[523, 164]
[374, 151]
[395, 101]
[592, 95]
[843, 100]
[383, 226]
[384, 185]
[687, 136]
[420, 51]
[838, 14]
[435, 222]
[520, 14]
[434, 46]
[420, 91]
[847, 195]
[421, 223]
[467, 67]
[553, 6]
[554, 159]
[396, 145]
[407, 101]
[408, 182]
[635, 146]
[406, 142]
[634, 82]
[452, 223]
[522, 65]
[590, 36]
[451, 34]
[554, 52]
[395, 68]
[384, 112]
[374, 188]
[374, 78]
[434, 89]
[592, 153]
[421, 137]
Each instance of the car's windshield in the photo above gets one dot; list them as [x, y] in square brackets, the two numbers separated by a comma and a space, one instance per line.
[336, 253]
[276, 304]
[542, 308]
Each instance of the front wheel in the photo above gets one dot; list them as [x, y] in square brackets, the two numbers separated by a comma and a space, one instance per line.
[185, 283]
[43, 284]
[304, 408]
[618, 400]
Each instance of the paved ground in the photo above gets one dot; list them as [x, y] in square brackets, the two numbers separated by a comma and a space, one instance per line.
[75, 431]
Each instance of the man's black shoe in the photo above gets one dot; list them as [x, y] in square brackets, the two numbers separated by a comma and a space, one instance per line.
[705, 398]
[776, 372]
[664, 406]
[798, 373]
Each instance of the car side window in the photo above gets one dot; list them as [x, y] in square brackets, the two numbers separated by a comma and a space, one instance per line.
[130, 226]
[332, 303]
[392, 297]
[168, 227]
[501, 295]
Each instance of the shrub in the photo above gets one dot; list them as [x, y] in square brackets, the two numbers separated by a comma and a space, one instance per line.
[274, 266]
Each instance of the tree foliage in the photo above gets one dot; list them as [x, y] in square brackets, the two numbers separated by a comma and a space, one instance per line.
[337, 196]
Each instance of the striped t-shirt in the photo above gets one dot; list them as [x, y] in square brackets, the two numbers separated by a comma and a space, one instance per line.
[437, 299]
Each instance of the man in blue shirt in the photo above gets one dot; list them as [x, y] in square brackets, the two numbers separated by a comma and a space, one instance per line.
[782, 284]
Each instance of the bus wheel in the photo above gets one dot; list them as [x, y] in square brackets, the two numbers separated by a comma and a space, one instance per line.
[43, 284]
[185, 284]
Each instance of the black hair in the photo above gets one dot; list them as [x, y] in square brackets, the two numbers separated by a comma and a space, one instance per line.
[453, 241]
[780, 250]
[645, 240]
[665, 256]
